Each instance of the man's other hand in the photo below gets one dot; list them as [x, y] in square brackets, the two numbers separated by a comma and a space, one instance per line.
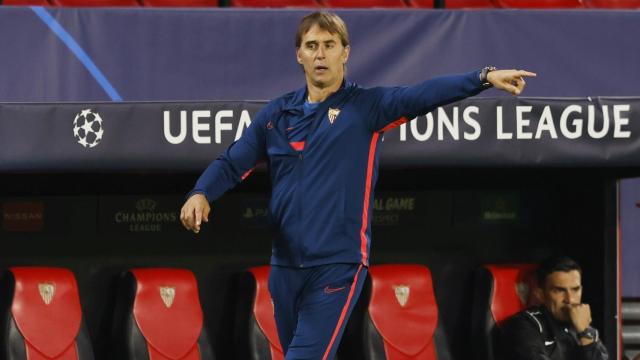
[194, 211]
[580, 315]
[511, 81]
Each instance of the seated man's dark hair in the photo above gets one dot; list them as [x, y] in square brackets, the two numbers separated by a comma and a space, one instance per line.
[560, 263]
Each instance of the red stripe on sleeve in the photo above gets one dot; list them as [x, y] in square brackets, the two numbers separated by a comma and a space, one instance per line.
[394, 124]
[247, 173]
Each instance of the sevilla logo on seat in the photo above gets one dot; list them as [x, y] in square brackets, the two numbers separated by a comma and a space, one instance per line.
[402, 294]
[333, 114]
[167, 293]
[522, 289]
[47, 290]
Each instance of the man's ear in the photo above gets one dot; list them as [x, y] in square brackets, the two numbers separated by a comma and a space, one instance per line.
[298, 58]
[538, 295]
[345, 56]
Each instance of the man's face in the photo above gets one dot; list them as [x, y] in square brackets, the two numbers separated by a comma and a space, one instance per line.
[323, 57]
[561, 289]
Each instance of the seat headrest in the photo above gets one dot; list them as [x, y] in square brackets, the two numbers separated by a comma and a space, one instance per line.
[263, 307]
[403, 307]
[46, 308]
[167, 310]
[513, 287]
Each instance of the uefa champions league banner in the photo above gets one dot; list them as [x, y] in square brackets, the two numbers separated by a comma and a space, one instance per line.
[151, 136]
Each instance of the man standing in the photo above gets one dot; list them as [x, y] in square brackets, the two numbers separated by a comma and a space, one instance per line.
[559, 329]
[321, 146]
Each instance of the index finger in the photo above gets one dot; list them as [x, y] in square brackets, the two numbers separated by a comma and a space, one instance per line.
[525, 73]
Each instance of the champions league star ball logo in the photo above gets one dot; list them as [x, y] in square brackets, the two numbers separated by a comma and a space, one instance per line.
[87, 128]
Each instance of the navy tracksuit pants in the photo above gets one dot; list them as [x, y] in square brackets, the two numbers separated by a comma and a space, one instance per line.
[312, 306]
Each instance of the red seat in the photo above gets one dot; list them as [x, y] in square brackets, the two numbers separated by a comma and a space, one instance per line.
[401, 319]
[44, 318]
[612, 4]
[180, 3]
[364, 3]
[95, 3]
[274, 3]
[158, 316]
[256, 336]
[467, 4]
[26, 3]
[500, 292]
[543, 4]
[454, 4]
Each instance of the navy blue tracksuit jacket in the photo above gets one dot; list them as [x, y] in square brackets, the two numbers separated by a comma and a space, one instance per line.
[323, 189]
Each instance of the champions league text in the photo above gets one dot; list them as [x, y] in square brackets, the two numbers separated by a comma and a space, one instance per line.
[573, 122]
[521, 122]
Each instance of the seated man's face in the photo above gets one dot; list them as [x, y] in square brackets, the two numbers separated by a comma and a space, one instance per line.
[562, 289]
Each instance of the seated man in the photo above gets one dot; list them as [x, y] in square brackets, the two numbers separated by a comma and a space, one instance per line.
[559, 329]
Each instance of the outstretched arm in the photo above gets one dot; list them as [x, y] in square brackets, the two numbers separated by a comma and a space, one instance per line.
[400, 104]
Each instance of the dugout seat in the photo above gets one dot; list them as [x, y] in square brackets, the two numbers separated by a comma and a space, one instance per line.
[539, 4]
[612, 4]
[364, 3]
[500, 292]
[42, 316]
[95, 3]
[454, 4]
[400, 319]
[256, 337]
[180, 3]
[25, 3]
[158, 317]
[274, 3]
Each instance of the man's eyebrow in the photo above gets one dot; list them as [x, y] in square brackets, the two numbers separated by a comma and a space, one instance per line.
[309, 42]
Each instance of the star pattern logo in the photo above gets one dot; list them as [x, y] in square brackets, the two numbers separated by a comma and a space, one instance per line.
[87, 128]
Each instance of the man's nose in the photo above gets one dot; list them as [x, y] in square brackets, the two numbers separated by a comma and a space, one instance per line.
[574, 299]
[320, 53]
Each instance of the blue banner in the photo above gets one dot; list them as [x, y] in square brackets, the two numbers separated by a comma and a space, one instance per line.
[88, 55]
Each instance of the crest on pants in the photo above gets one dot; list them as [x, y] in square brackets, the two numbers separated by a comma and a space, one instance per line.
[167, 293]
[402, 294]
[333, 114]
[47, 290]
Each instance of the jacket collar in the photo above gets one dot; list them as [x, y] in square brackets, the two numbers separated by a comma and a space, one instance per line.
[296, 101]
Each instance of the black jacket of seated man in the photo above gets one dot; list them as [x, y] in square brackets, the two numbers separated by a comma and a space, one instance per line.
[534, 334]
[560, 328]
